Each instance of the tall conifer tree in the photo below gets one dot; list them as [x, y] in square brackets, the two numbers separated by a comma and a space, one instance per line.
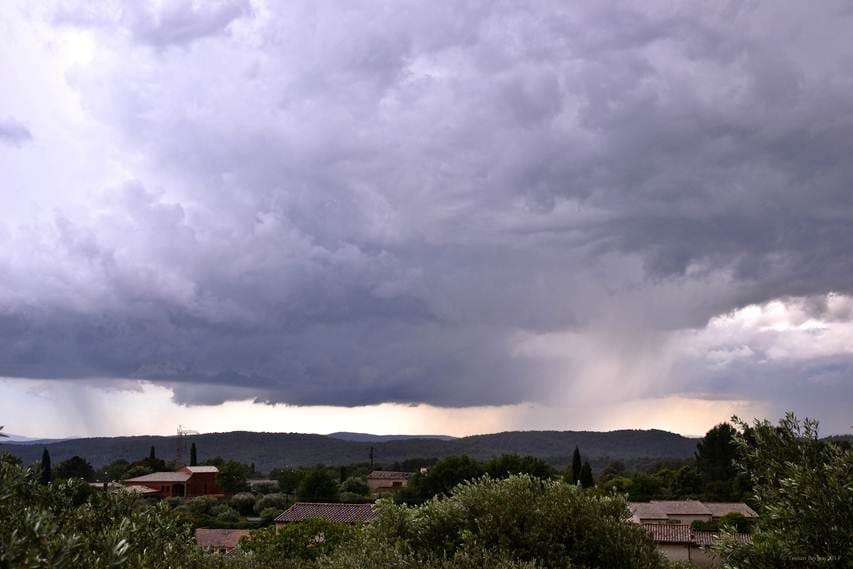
[576, 466]
[193, 457]
[586, 479]
[151, 453]
[46, 470]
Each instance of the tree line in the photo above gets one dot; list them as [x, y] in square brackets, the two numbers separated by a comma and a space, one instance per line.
[801, 486]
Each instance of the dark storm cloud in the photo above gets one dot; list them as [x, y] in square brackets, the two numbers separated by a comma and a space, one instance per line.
[351, 204]
[14, 133]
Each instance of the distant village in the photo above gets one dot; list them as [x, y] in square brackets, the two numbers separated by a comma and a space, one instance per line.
[682, 530]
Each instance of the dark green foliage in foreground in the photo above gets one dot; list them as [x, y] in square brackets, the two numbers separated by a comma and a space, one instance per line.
[307, 540]
[520, 521]
[803, 494]
[66, 524]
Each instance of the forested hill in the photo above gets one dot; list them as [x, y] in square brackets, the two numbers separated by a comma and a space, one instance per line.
[269, 450]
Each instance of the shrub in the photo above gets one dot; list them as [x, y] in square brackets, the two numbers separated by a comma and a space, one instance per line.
[278, 501]
[306, 540]
[243, 502]
[227, 514]
[520, 519]
[803, 492]
[269, 514]
[355, 485]
[202, 504]
[265, 487]
[63, 525]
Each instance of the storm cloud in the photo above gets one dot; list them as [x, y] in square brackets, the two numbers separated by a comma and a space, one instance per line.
[14, 133]
[419, 202]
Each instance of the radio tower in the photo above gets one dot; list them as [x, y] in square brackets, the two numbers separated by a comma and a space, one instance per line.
[181, 445]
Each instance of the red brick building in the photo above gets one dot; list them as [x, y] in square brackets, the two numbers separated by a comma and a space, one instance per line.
[188, 482]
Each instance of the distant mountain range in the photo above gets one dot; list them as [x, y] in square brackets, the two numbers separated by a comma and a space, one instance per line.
[270, 450]
[368, 438]
[22, 440]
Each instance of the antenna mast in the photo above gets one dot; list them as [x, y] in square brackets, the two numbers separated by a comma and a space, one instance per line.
[181, 445]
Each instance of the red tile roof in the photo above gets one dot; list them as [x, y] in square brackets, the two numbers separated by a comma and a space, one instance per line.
[682, 507]
[201, 469]
[705, 538]
[339, 513]
[669, 533]
[720, 509]
[684, 534]
[388, 475]
[219, 538]
[646, 511]
[162, 477]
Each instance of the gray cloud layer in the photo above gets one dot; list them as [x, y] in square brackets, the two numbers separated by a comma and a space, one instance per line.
[364, 203]
[14, 133]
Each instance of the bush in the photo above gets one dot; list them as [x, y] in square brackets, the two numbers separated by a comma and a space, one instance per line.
[309, 539]
[523, 519]
[349, 497]
[244, 502]
[278, 501]
[803, 492]
[227, 514]
[265, 487]
[355, 485]
[201, 505]
[63, 525]
[269, 514]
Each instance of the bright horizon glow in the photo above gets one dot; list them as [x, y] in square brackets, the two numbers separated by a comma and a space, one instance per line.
[140, 408]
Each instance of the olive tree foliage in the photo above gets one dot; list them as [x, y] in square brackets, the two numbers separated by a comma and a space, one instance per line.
[520, 519]
[520, 522]
[803, 492]
[67, 524]
[310, 539]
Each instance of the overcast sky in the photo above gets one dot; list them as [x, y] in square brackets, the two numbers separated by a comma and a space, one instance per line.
[424, 216]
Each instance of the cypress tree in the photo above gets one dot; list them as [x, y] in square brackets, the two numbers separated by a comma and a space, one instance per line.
[193, 457]
[151, 454]
[46, 471]
[586, 476]
[576, 466]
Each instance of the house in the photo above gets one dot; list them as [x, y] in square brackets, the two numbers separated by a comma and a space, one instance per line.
[686, 511]
[674, 541]
[679, 542]
[219, 540]
[384, 482]
[336, 512]
[188, 482]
